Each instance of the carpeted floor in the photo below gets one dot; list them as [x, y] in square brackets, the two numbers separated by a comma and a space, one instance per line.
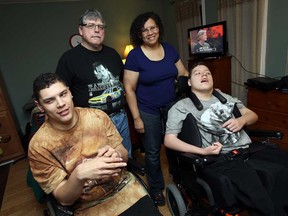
[4, 171]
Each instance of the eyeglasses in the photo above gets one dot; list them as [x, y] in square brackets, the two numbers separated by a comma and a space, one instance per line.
[151, 29]
[92, 26]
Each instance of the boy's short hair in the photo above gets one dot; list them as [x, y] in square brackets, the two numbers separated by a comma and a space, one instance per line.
[195, 65]
[45, 81]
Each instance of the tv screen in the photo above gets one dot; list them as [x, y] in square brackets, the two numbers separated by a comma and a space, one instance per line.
[207, 40]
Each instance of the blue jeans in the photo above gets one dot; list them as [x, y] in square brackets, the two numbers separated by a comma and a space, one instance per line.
[152, 141]
[120, 121]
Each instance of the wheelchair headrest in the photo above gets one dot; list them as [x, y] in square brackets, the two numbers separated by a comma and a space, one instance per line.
[195, 101]
[183, 84]
[198, 103]
[221, 98]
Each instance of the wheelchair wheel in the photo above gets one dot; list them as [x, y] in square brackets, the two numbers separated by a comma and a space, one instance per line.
[175, 201]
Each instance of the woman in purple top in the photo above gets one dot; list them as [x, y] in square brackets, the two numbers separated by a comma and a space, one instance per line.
[151, 69]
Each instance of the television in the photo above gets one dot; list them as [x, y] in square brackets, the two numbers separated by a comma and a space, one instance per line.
[208, 40]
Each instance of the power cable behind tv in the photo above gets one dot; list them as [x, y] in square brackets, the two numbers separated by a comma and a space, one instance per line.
[266, 81]
[251, 72]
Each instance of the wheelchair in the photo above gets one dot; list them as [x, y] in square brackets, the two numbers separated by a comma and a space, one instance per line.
[196, 190]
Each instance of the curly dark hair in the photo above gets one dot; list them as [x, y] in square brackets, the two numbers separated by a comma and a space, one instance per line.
[45, 81]
[138, 24]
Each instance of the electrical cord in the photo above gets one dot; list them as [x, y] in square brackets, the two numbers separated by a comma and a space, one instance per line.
[251, 72]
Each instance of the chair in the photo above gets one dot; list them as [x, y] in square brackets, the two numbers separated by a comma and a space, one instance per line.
[198, 190]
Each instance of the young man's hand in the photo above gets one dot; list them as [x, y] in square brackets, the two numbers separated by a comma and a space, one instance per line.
[108, 162]
[214, 149]
[108, 151]
[233, 125]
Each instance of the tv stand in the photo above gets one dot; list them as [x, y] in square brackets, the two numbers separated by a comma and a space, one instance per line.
[220, 68]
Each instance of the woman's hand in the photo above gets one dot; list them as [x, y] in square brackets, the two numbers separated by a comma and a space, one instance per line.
[139, 125]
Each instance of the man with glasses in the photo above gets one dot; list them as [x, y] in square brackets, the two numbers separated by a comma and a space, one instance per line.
[77, 67]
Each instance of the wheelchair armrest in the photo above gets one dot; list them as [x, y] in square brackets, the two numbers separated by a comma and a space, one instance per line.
[190, 156]
[192, 159]
[135, 166]
[198, 161]
[265, 134]
[54, 208]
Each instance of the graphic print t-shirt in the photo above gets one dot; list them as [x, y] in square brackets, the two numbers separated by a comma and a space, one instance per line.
[93, 77]
[209, 121]
[212, 120]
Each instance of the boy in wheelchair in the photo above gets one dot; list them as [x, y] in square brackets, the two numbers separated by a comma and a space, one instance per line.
[77, 155]
[223, 136]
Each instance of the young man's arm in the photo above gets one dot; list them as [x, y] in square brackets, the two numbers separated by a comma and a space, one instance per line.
[68, 191]
[173, 142]
[248, 117]
[174, 125]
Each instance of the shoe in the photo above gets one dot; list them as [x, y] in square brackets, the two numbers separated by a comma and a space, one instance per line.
[158, 199]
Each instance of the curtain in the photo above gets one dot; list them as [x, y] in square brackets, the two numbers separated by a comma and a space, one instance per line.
[245, 22]
[188, 15]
